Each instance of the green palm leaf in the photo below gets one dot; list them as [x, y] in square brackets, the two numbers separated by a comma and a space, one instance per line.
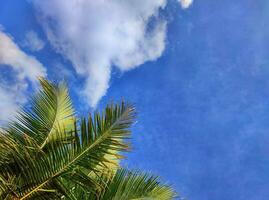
[128, 185]
[136, 186]
[51, 111]
[49, 154]
[105, 134]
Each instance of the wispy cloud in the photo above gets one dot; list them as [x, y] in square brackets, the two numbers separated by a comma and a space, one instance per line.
[96, 35]
[33, 41]
[24, 68]
[185, 3]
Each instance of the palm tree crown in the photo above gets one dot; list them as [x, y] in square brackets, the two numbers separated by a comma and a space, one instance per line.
[48, 153]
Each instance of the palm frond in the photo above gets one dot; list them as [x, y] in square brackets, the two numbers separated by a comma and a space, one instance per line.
[105, 134]
[49, 154]
[131, 185]
[51, 111]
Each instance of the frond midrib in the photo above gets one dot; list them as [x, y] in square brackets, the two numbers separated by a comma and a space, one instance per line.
[54, 121]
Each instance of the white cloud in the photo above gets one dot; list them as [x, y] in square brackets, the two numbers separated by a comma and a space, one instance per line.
[96, 35]
[33, 42]
[24, 68]
[12, 97]
[185, 3]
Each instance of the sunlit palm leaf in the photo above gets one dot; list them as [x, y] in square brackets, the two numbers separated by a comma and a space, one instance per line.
[51, 111]
[87, 151]
[48, 154]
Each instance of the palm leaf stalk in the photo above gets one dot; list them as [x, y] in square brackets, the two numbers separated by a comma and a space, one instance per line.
[49, 153]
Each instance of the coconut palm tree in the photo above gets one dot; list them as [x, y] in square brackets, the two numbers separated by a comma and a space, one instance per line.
[49, 153]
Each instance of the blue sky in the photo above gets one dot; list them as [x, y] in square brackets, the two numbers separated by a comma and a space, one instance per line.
[200, 85]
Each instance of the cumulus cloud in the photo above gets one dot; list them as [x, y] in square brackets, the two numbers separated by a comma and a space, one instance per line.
[96, 35]
[185, 3]
[33, 42]
[24, 68]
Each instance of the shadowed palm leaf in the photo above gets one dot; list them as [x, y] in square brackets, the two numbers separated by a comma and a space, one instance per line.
[133, 185]
[49, 154]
